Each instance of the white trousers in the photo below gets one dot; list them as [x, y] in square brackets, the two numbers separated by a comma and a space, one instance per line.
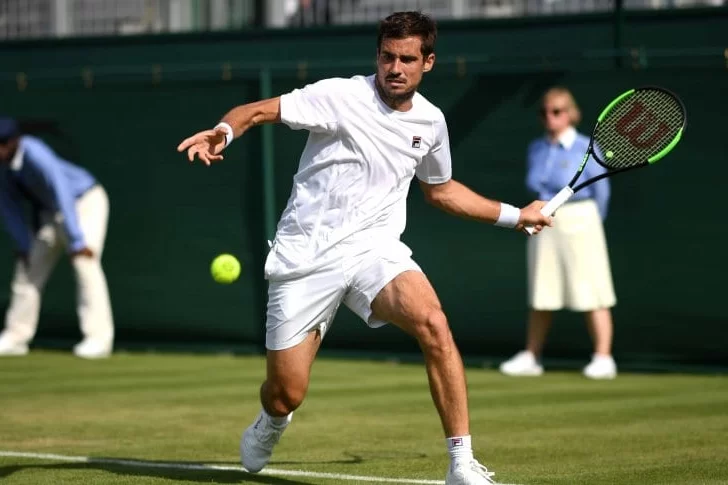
[93, 305]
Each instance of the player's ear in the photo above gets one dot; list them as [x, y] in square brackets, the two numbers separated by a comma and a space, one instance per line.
[429, 63]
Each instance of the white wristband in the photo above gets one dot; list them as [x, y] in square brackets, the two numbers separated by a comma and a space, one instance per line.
[508, 216]
[228, 132]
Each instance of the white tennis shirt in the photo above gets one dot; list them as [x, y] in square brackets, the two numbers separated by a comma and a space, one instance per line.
[355, 171]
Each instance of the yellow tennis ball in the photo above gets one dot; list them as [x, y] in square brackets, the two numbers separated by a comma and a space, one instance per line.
[225, 268]
[610, 154]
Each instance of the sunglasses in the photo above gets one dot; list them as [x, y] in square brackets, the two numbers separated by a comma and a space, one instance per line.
[553, 112]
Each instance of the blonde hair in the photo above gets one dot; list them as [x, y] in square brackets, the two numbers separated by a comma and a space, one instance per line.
[572, 107]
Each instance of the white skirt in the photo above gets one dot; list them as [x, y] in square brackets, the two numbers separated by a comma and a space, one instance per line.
[568, 264]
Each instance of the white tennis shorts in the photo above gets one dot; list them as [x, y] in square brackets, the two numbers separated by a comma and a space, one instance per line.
[568, 264]
[357, 274]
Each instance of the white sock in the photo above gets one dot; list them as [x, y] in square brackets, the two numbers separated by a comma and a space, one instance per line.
[278, 421]
[459, 448]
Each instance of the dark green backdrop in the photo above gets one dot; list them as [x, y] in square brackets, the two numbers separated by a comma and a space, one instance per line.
[120, 107]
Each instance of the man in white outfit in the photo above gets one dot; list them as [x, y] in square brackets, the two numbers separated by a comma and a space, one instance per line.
[69, 210]
[338, 239]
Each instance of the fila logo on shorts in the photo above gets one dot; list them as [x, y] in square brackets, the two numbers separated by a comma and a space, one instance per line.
[416, 140]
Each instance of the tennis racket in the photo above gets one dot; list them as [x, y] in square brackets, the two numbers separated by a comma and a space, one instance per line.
[636, 129]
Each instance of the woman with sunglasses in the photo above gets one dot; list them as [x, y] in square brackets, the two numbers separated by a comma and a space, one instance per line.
[568, 264]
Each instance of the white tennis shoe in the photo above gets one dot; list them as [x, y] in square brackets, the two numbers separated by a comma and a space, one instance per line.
[91, 349]
[601, 367]
[468, 473]
[257, 442]
[8, 347]
[524, 363]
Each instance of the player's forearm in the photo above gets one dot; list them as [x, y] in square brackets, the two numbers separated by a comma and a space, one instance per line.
[456, 199]
[244, 117]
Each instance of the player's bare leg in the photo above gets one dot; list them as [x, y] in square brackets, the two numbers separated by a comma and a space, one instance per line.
[410, 302]
[539, 324]
[599, 324]
[287, 376]
[602, 365]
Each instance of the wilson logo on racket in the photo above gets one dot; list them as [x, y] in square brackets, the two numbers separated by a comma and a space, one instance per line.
[639, 120]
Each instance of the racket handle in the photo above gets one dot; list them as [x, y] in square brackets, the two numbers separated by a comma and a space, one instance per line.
[551, 206]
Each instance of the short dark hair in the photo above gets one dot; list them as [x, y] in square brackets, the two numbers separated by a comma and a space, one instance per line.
[401, 25]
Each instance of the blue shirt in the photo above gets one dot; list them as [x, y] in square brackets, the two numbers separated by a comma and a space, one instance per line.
[39, 176]
[551, 166]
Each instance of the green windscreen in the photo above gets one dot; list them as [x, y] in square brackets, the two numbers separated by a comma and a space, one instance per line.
[639, 128]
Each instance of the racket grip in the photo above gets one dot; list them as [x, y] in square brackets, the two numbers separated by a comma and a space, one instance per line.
[551, 206]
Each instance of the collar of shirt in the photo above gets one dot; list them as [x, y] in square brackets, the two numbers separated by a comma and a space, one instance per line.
[17, 162]
[567, 138]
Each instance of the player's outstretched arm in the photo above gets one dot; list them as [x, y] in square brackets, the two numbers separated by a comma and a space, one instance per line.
[455, 198]
[208, 145]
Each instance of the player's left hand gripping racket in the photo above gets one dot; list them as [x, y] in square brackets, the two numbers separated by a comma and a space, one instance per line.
[636, 129]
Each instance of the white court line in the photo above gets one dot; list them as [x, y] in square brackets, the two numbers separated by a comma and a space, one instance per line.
[182, 466]
[203, 467]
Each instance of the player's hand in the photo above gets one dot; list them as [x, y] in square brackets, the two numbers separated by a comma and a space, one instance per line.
[83, 252]
[207, 145]
[531, 216]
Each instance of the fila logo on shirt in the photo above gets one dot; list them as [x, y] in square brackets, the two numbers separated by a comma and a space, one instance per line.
[416, 141]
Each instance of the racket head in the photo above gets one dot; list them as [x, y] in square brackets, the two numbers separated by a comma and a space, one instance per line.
[638, 128]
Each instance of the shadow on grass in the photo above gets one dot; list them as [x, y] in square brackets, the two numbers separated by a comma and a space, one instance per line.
[171, 471]
[354, 458]
[208, 472]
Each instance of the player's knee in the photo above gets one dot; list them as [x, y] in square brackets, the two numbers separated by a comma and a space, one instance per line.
[290, 399]
[433, 332]
[284, 399]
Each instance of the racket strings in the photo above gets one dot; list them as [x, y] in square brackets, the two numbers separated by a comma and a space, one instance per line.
[639, 127]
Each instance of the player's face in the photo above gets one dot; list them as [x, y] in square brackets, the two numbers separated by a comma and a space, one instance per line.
[556, 114]
[400, 66]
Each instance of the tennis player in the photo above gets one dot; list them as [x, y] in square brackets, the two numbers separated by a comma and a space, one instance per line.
[338, 240]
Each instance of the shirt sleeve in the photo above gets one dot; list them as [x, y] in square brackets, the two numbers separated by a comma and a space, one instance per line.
[12, 211]
[436, 166]
[314, 107]
[62, 194]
